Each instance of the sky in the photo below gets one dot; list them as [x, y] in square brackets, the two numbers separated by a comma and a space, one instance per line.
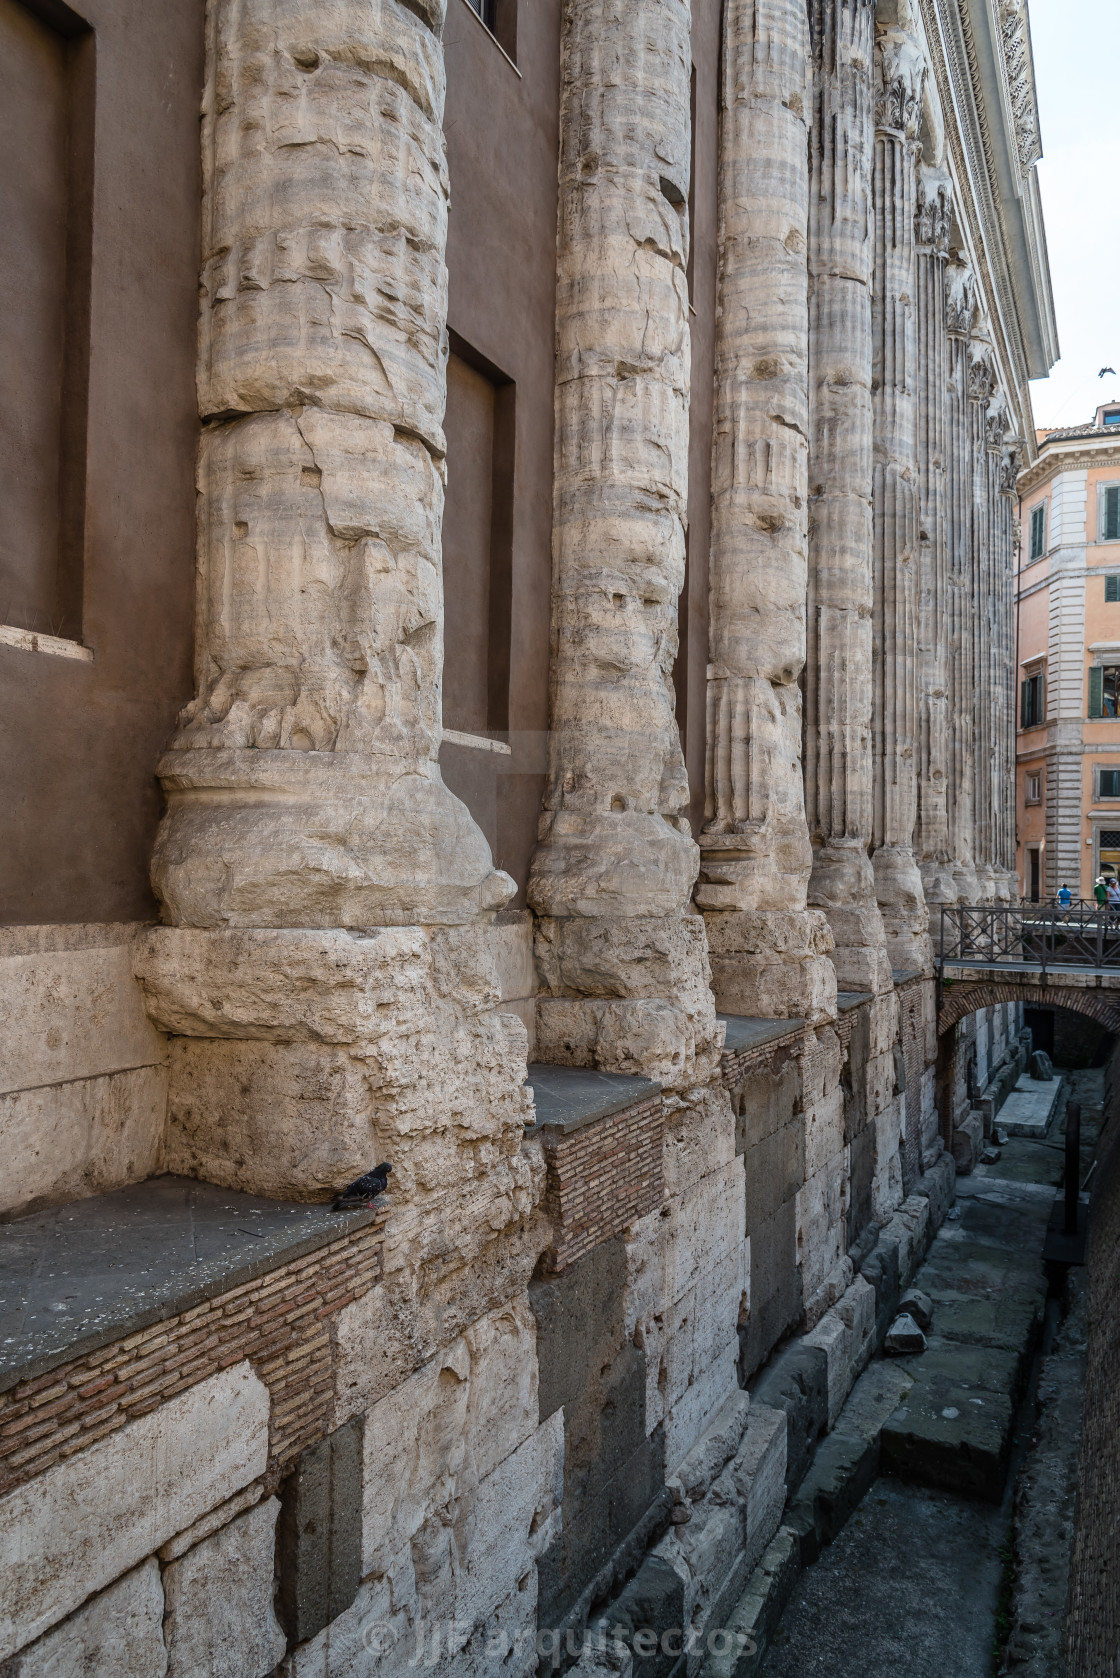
[1076, 55]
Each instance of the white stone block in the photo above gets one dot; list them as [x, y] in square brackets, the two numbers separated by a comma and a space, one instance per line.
[824, 1131]
[699, 1404]
[68, 1014]
[83, 1523]
[708, 1223]
[116, 1634]
[446, 1428]
[220, 1618]
[834, 1338]
[758, 1473]
[70, 1140]
[513, 958]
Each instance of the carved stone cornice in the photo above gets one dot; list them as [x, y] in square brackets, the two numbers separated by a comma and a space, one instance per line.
[960, 299]
[1018, 74]
[1049, 464]
[933, 217]
[900, 73]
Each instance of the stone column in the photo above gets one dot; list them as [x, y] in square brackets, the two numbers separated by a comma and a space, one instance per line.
[767, 948]
[1008, 483]
[981, 381]
[302, 782]
[304, 797]
[900, 70]
[960, 316]
[838, 752]
[934, 218]
[622, 961]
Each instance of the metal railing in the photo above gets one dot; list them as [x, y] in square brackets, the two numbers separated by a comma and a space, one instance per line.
[1037, 936]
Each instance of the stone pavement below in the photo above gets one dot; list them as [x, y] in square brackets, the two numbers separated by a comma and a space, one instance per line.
[911, 1585]
[1029, 1109]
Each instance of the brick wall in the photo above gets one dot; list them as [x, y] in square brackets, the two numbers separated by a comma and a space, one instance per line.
[601, 1177]
[279, 1322]
[736, 1064]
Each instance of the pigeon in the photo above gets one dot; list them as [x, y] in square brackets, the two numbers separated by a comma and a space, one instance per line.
[1105, 370]
[362, 1190]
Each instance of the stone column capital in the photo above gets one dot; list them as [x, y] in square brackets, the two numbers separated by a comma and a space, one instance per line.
[900, 72]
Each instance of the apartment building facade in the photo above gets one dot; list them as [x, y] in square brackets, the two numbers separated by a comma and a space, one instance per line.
[1068, 659]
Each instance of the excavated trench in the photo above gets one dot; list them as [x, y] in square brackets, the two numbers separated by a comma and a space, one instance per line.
[933, 1529]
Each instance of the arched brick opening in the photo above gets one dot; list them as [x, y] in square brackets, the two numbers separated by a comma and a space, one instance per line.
[966, 999]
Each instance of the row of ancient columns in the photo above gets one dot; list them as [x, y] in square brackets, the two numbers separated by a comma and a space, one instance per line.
[857, 760]
[890, 418]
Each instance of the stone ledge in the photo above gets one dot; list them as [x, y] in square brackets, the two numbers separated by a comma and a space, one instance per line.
[116, 1263]
[568, 1097]
[847, 1000]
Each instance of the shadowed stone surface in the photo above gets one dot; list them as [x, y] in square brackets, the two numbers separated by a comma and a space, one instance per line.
[78, 1276]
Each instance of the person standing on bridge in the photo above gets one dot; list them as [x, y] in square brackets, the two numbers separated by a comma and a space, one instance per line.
[1100, 892]
[1065, 899]
[1114, 898]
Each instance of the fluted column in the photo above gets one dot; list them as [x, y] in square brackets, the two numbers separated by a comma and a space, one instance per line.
[615, 863]
[767, 948]
[960, 315]
[302, 782]
[981, 377]
[1006, 769]
[900, 72]
[931, 844]
[838, 750]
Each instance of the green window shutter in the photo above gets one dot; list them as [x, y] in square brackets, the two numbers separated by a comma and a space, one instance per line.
[1038, 531]
[1112, 514]
[1112, 588]
[1096, 691]
[1024, 704]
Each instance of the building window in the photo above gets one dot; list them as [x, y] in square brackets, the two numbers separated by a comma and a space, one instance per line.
[1112, 588]
[1038, 531]
[1110, 521]
[1104, 690]
[1111, 416]
[1109, 850]
[1109, 783]
[1032, 701]
[1034, 787]
[1034, 886]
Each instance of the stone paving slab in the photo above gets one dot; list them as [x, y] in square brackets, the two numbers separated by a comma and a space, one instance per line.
[77, 1276]
[567, 1097]
[1031, 1107]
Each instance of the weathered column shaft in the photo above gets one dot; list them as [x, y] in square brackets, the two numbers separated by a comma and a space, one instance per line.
[767, 948]
[900, 70]
[302, 783]
[960, 315]
[615, 864]
[980, 623]
[934, 215]
[838, 696]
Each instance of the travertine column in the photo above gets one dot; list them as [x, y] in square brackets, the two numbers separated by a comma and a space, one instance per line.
[960, 315]
[981, 381]
[900, 70]
[934, 218]
[302, 783]
[1006, 770]
[838, 755]
[767, 949]
[613, 872]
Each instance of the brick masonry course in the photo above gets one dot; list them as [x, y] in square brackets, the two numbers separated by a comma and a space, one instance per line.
[602, 1177]
[278, 1321]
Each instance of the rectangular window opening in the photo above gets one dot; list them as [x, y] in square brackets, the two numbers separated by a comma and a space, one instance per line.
[1032, 701]
[1110, 531]
[1038, 531]
[1034, 788]
[46, 202]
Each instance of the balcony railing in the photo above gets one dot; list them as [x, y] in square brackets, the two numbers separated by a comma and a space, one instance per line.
[1034, 936]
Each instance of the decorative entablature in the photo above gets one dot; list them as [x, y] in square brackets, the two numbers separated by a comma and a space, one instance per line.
[1018, 74]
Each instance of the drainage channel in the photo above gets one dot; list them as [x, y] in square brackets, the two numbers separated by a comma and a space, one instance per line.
[934, 1524]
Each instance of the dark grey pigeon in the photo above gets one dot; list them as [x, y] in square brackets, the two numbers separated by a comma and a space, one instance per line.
[362, 1190]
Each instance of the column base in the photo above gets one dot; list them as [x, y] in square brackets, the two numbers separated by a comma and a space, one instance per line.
[300, 1059]
[898, 887]
[843, 886]
[318, 839]
[628, 995]
[772, 965]
[626, 863]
